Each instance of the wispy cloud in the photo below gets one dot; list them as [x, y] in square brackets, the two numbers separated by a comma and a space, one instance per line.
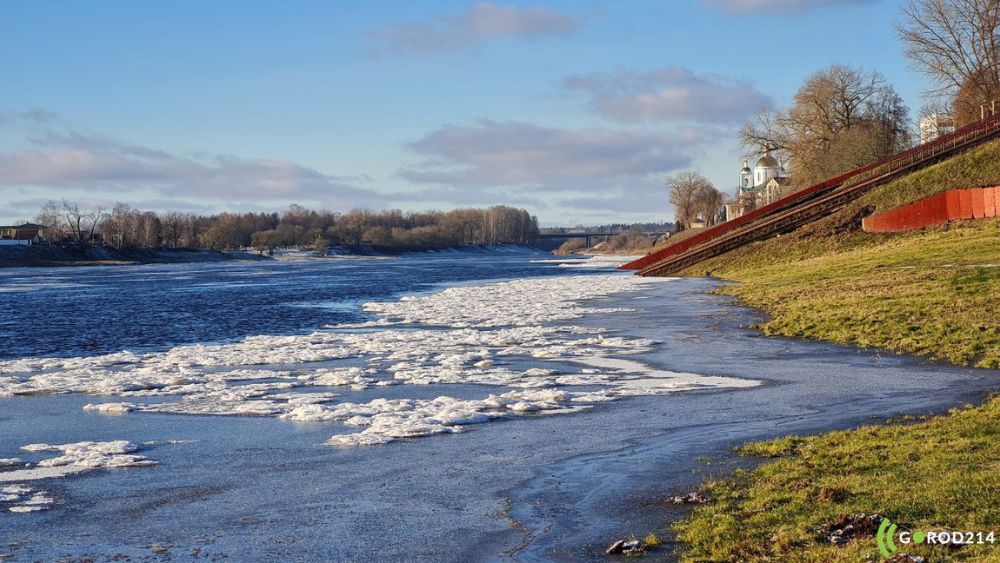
[30, 115]
[479, 22]
[777, 6]
[669, 94]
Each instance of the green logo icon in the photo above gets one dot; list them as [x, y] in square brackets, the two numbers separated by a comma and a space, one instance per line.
[886, 531]
[885, 538]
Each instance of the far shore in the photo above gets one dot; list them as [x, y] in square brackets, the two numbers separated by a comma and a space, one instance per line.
[41, 256]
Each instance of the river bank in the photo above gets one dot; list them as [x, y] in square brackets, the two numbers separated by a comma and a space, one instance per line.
[42, 256]
[931, 293]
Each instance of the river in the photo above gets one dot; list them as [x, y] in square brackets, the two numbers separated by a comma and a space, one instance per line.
[437, 407]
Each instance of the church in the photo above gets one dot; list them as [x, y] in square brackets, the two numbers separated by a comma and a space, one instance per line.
[764, 184]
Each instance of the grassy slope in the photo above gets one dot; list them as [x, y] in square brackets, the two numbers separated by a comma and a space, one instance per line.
[934, 293]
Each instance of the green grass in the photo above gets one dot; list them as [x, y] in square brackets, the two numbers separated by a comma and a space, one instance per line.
[934, 293]
[937, 474]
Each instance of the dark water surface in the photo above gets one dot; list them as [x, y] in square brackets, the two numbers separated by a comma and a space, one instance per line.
[534, 488]
[83, 311]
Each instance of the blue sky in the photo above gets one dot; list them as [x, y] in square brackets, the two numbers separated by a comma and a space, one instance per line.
[574, 110]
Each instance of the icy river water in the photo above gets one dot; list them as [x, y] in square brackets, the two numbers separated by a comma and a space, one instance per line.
[439, 407]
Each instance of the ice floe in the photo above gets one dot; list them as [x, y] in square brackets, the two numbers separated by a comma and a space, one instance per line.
[20, 498]
[79, 457]
[591, 261]
[516, 339]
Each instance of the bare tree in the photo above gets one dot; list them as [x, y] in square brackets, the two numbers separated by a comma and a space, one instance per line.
[51, 218]
[840, 118]
[173, 223]
[266, 241]
[116, 226]
[683, 191]
[149, 230]
[74, 220]
[93, 221]
[708, 203]
[956, 44]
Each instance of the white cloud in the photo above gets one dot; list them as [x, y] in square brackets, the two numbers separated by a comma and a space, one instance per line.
[479, 22]
[777, 6]
[594, 174]
[69, 159]
[512, 153]
[669, 94]
[556, 172]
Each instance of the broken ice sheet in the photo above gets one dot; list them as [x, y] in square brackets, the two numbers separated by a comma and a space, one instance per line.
[466, 335]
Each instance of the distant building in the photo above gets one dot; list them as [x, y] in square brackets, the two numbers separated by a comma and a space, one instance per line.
[775, 189]
[760, 186]
[26, 234]
[935, 125]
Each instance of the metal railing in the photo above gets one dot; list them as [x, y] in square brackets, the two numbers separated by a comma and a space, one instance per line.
[916, 157]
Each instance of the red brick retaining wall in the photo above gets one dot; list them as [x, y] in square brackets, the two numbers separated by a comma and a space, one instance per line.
[937, 210]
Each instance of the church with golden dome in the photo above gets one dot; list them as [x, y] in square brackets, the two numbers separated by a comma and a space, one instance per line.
[762, 185]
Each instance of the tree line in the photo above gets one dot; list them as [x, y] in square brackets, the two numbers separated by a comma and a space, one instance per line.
[125, 227]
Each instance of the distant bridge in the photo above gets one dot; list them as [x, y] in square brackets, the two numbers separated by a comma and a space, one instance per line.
[591, 236]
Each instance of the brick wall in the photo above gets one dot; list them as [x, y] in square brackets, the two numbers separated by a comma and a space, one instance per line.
[952, 205]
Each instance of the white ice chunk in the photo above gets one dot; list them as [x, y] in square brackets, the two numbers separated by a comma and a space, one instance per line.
[110, 408]
[78, 457]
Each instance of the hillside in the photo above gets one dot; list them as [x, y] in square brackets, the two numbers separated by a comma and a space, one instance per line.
[934, 293]
[930, 292]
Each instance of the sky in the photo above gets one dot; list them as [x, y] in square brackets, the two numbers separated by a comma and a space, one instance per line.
[576, 111]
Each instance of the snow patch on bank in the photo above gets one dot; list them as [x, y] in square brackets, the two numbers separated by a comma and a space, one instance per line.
[467, 335]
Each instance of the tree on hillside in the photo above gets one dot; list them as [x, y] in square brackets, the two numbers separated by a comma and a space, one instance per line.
[708, 202]
[956, 43]
[841, 118]
[974, 98]
[692, 195]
